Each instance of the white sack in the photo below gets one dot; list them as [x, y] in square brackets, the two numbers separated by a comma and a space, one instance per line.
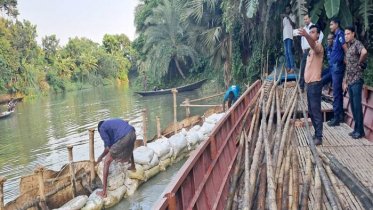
[163, 164]
[94, 202]
[143, 155]
[178, 143]
[195, 128]
[183, 131]
[132, 185]
[154, 162]
[139, 174]
[207, 128]
[170, 154]
[161, 147]
[117, 173]
[192, 139]
[75, 204]
[113, 197]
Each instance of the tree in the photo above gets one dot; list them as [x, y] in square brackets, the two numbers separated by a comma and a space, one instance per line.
[50, 44]
[167, 39]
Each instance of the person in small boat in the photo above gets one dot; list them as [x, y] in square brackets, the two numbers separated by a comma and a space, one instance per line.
[119, 140]
[11, 105]
[144, 82]
[231, 95]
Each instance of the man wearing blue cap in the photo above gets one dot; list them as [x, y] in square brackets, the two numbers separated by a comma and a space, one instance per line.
[231, 95]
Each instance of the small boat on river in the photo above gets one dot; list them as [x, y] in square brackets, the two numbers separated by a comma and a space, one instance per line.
[6, 114]
[184, 88]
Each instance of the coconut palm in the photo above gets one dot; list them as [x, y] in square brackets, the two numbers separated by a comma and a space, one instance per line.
[167, 40]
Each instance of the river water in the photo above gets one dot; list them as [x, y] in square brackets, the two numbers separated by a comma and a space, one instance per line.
[41, 128]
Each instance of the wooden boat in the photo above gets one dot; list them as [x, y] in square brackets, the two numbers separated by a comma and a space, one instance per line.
[203, 181]
[6, 114]
[167, 91]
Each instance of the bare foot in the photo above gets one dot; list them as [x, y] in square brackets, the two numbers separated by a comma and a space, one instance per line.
[102, 194]
[291, 71]
[133, 170]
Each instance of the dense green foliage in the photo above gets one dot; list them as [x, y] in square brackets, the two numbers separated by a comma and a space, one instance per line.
[30, 69]
[234, 37]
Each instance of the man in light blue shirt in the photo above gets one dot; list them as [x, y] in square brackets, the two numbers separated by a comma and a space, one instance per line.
[231, 95]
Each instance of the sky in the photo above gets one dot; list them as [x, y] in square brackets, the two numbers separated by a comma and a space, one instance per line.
[83, 18]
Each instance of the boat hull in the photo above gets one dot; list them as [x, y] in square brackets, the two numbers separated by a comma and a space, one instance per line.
[168, 91]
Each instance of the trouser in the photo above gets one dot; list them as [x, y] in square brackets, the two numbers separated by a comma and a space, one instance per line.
[354, 91]
[304, 61]
[337, 77]
[288, 47]
[314, 106]
[326, 76]
[122, 149]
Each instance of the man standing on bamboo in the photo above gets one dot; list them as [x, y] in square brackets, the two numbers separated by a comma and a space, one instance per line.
[312, 77]
[355, 65]
[306, 47]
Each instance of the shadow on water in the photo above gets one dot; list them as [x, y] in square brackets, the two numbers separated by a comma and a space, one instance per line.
[40, 129]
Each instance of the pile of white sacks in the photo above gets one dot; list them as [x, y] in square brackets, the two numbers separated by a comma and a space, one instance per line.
[149, 161]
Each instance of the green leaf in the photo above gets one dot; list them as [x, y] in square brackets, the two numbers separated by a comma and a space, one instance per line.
[345, 15]
[251, 8]
[332, 7]
[366, 9]
[316, 12]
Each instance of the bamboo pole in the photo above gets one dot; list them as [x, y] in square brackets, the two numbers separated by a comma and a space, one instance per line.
[187, 110]
[92, 155]
[273, 90]
[72, 174]
[39, 170]
[158, 127]
[283, 139]
[295, 204]
[285, 194]
[208, 97]
[278, 132]
[174, 91]
[291, 188]
[324, 177]
[2, 181]
[262, 187]
[284, 89]
[144, 127]
[280, 185]
[287, 111]
[232, 187]
[306, 183]
[200, 105]
[333, 180]
[317, 188]
[272, 205]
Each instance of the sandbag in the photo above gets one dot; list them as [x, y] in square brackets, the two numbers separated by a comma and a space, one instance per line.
[195, 128]
[163, 164]
[132, 185]
[207, 128]
[94, 202]
[178, 143]
[214, 118]
[170, 154]
[75, 204]
[161, 147]
[200, 135]
[143, 155]
[151, 172]
[139, 174]
[183, 131]
[179, 158]
[117, 173]
[192, 139]
[113, 197]
[154, 162]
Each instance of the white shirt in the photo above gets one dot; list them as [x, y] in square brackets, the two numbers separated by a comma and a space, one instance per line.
[305, 44]
[288, 28]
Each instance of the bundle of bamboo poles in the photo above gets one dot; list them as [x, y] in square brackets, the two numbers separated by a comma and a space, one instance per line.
[268, 166]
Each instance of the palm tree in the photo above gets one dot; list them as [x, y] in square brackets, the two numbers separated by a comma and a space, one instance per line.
[167, 40]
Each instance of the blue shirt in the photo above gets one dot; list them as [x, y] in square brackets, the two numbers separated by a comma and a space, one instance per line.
[236, 91]
[114, 129]
[337, 54]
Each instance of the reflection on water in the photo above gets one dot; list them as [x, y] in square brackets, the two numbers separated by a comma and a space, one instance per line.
[40, 129]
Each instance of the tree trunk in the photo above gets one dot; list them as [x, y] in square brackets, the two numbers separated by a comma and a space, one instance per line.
[178, 67]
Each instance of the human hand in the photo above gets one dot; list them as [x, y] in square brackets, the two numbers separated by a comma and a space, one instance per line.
[302, 32]
[344, 86]
[102, 194]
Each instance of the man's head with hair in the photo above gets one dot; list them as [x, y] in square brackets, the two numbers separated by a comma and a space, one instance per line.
[314, 32]
[99, 125]
[288, 9]
[330, 39]
[306, 19]
[335, 24]
[349, 34]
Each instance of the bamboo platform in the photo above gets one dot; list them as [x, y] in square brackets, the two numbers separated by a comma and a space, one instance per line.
[354, 154]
